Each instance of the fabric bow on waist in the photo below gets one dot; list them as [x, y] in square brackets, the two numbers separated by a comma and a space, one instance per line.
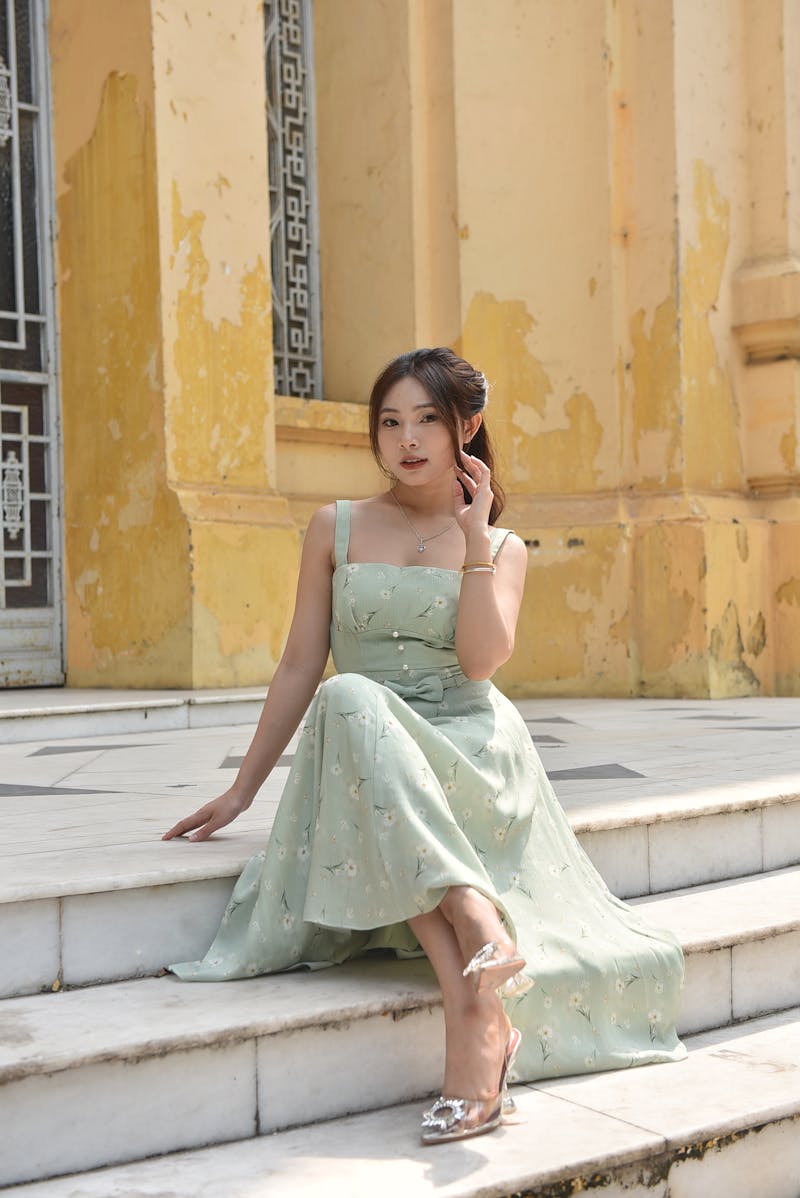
[430, 687]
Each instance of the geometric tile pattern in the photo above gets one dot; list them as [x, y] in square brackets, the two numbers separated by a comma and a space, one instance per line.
[54, 750]
[17, 788]
[594, 771]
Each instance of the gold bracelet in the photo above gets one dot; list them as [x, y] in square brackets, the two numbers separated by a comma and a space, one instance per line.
[478, 569]
[467, 565]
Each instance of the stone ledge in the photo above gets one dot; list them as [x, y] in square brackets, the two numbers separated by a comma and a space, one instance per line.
[723, 1121]
[766, 310]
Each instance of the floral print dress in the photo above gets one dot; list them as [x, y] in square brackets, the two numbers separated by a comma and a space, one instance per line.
[410, 778]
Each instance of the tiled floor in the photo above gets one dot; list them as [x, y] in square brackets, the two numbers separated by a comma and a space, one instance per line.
[89, 812]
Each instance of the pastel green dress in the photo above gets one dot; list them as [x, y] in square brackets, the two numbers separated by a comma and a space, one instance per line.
[410, 778]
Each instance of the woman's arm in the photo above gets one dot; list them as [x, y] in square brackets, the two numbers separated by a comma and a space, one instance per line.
[488, 605]
[292, 687]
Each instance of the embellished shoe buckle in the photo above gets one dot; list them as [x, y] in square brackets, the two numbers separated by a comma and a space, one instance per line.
[436, 1121]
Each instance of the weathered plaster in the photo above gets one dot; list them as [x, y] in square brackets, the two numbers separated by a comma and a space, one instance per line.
[729, 672]
[785, 563]
[575, 606]
[656, 400]
[711, 414]
[789, 592]
[669, 619]
[548, 442]
[244, 585]
[219, 412]
[126, 541]
[789, 450]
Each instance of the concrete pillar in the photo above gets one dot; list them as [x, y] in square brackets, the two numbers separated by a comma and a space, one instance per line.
[172, 525]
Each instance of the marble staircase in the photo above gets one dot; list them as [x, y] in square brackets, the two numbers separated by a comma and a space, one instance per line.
[118, 1065]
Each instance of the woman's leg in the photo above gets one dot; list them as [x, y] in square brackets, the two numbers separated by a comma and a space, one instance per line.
[476, 1027]
[475, 921]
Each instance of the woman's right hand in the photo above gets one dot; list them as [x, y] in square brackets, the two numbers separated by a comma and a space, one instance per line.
[211, 817]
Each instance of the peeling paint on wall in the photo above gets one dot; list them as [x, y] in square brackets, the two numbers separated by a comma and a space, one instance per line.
[575, 597]
[217, 430]
[669, 619]
[730, 673]
[549, 443]
[789, 450]
[711, 416]
[655, 374]
[757, 638]
[789, 592]
[125, 538]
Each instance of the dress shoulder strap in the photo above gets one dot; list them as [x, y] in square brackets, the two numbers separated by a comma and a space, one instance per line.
[496, 538]
[342, 534]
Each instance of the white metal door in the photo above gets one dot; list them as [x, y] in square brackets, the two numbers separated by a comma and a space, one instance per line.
[31, 626]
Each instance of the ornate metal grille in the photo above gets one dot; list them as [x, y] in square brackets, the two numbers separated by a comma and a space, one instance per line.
[28, 427]
[294, 245]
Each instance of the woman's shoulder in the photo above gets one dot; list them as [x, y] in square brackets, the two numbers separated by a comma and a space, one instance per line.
[506, 541]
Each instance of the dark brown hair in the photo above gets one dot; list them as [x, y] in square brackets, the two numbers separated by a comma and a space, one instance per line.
[457, 391]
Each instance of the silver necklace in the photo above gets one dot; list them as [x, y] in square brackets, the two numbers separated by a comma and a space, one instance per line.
[423, 541]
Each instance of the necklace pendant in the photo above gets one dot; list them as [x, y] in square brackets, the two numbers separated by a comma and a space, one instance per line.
[420, 548]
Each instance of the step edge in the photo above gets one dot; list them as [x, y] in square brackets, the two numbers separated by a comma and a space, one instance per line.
[399, 1005]
[780, 797]
[202, 873]
[662, 1151]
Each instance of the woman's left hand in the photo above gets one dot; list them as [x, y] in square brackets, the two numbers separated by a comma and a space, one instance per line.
[476, 478]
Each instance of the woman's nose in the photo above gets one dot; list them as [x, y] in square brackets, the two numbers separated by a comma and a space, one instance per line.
[409, 436]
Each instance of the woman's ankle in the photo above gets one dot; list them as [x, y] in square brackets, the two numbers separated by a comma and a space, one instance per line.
[476, 1046]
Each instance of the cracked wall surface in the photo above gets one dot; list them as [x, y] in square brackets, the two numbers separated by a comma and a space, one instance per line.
[595, 205]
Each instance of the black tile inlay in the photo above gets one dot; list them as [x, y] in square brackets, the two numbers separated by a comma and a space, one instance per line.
[233, 763]
[594, 771]
[550, 719]
[726, 719]
[770, 728]
[684, 708]
[11, 788]
[546, 740]
[50, 750]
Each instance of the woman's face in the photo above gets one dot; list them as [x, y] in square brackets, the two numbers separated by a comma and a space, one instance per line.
[413, 439]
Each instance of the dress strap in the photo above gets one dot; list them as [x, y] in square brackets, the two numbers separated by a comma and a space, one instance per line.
[342, 533]
[496, 538]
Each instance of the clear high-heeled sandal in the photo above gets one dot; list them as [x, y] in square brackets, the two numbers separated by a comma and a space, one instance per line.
[458, 1118]
[512, 1048]
[493, 971]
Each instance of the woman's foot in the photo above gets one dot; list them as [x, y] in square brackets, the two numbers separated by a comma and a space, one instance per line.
[473, 1097]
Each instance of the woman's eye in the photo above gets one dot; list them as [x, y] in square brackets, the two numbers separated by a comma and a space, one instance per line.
[388, 422]
[430, 416]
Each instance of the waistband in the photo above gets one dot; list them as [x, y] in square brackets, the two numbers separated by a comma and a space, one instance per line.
[428, 684]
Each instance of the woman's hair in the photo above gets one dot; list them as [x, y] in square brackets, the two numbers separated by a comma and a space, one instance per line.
[456, 390]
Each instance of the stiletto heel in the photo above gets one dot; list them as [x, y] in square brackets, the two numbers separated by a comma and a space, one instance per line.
[512, 1048]
[458, 1118]
[495, 972]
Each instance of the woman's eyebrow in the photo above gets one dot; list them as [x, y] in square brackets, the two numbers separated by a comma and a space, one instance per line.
[416, 405]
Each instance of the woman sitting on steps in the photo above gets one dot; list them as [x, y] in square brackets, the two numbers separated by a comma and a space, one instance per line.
[417, 814]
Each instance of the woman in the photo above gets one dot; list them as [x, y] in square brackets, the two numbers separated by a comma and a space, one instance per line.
[417, 812]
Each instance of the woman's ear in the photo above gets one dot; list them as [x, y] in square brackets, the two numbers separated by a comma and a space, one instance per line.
[471, 427]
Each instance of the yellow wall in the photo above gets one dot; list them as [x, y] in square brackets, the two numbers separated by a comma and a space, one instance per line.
[598, 204]
[179, 550]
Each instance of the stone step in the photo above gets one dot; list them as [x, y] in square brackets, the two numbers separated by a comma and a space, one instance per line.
[214, 1061]
[116, 902]
[59, 712]
[722, 1124]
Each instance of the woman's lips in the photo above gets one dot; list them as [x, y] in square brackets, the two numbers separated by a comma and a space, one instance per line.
[413, 464]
